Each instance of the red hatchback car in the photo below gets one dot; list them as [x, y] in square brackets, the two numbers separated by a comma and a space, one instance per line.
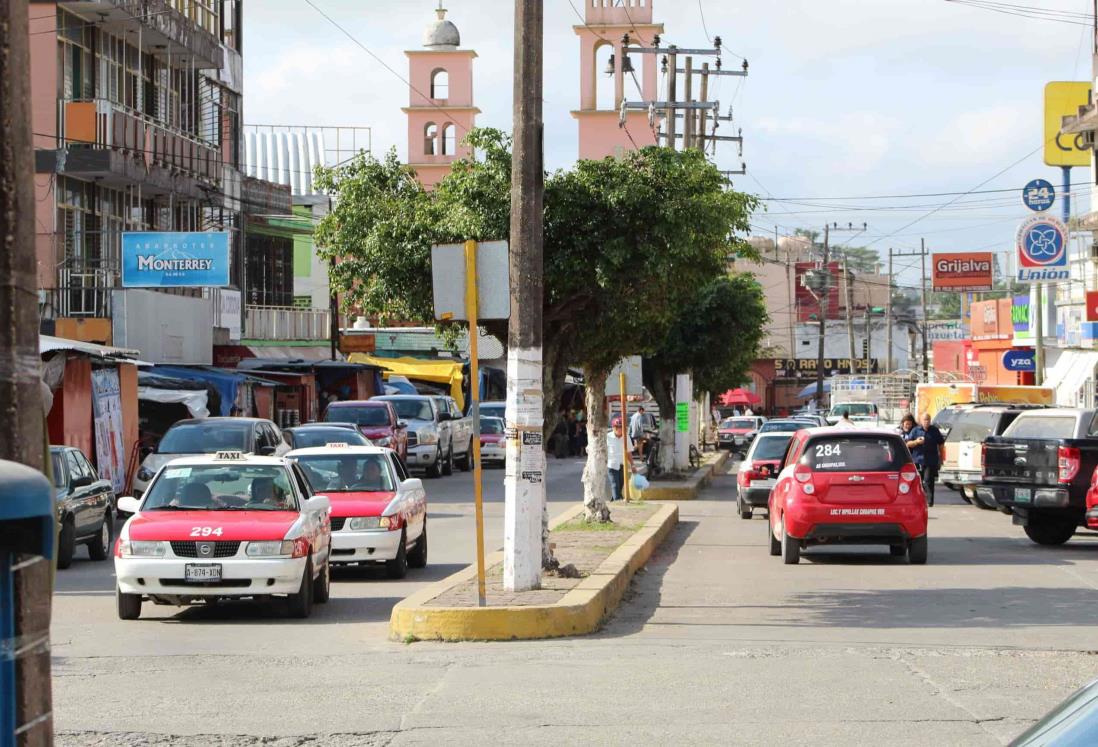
[847, 486]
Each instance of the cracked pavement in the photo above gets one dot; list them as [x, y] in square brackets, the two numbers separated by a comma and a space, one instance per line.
[717, 642]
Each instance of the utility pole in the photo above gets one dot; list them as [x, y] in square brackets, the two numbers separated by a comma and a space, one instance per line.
[523, 540]
[672, 93]
[888, 317]
[824, 297]
[23, 438]
[849, 314]
[703, 115]
[688, 122]
[792, 311]
[922, 256]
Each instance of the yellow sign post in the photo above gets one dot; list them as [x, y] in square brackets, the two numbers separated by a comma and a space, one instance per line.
[1063, 99]
[474, 394]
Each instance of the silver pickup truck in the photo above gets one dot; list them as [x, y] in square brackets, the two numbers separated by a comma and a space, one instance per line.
[438, 434]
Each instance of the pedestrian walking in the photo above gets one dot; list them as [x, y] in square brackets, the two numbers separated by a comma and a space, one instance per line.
[615, 460]
[927, 449]
[845, 421]
[636, 431]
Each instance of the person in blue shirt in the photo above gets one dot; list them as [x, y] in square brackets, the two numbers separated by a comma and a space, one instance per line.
[927, 445]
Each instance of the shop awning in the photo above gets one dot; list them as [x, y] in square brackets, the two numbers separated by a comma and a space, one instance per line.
[1070, 374]
[48, 344]
[225, 382]
[446, 372]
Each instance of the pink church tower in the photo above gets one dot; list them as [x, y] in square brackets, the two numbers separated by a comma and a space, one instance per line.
[606, 23]
[440, 111]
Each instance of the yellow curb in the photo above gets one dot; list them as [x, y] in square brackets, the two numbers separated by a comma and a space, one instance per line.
[580, 611]
[686, 490]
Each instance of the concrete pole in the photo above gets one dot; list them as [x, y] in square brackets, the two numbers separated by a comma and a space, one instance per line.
[523, 542]
[926, 311]
[823, 318]
[703, 120]
[23, 438]
[850, 317]
[888, 317]
[684, 394]
[672, 91]
[688, 114]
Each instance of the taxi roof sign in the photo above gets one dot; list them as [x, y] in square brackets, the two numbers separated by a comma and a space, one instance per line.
[229, 456]
[336, 445]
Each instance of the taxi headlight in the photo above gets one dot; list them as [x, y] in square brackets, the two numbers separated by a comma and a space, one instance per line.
[270, 549]
[143, 549]
[359, 523]
[427, 437]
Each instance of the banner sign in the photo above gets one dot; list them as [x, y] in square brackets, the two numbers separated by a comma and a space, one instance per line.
[963, 271]
[1042, 250]
[1019, 360]
[107, 416]
[797, 367]
[175, 260]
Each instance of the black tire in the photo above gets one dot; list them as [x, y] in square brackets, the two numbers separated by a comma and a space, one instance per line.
[775, 545]
[66, 544]
[300, 604]
[448, 465]
[397, 568]
[435, 470]
[322, 587]
[791, 548]
[1050, 532]
[916, 551]
[129, 605]
[966, 496]
[99, 548]
[981, 503]
[466, 462]
[745, 510]
[897, 551]
[417, 558]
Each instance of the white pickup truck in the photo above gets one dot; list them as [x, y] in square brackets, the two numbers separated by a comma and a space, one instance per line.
[862, 413]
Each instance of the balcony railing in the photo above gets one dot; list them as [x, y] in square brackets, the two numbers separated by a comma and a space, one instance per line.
[100, 122]
[286, 323]
[83, 291]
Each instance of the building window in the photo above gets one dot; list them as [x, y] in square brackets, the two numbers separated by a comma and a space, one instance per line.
[449, 140]
[430, 139]
[440, 84]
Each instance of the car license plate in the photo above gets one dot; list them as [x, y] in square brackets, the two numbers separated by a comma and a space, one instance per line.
[1023, 495]
[202, 573]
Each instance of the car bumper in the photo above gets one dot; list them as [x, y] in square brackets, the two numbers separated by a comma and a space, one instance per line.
[493, 453]
[243, 577]
[1044, 496]
[756, 495]
[364, 547]
[424, 455]
[838, 523]
[959, 477]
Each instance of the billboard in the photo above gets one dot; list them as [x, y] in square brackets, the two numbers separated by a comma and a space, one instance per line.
[175, 260]
[963, 271]
[1063, 99]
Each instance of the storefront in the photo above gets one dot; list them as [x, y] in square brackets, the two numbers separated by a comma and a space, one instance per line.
[994, 358]
[780, 381]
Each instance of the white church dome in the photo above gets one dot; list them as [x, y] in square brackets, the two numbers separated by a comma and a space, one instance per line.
[442, 34]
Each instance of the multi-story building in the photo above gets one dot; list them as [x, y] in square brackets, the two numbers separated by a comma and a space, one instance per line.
[136, 112]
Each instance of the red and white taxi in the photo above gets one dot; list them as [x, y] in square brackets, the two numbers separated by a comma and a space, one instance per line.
[379, 513]
[224, 526]
[848, 486]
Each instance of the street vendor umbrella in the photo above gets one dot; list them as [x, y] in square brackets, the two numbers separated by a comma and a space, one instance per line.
[810, 390]
[740, 397]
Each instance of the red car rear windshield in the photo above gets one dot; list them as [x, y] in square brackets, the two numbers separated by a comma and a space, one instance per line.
[855, 454]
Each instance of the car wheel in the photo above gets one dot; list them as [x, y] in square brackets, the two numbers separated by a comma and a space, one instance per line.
[1050, 532]
[397, 568]
[100, 547]
[791, 548]
[448, 465]
[322, 587]
[775, 545]
[300, 604]
[967, 495]
[417, 558]
[129, 605]
[66, 544]
[916, 551]
[466, 462]
[745, 510]
[435, 470]
[897, 551]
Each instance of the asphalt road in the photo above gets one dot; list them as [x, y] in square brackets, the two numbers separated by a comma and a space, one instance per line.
[717, 642]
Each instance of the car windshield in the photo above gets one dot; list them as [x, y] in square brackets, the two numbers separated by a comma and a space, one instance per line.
[854, 409]
[221, 487]
[1042, 426]
[412, 409]
[738, 423]
[305, 438]
[855, 454]
[206, 438]
[359, 415]
[332, 473]
[771, 447]
[495, 410]
[491, 426]
[782, 426]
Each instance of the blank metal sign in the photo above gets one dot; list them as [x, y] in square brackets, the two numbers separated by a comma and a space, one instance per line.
[493, 281]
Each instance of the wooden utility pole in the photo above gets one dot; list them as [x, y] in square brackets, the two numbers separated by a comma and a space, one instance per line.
[22, 439]
[850, 315]
[888, 317]
[672, 93]
[524, 543]
[703, 116]
[688, 115]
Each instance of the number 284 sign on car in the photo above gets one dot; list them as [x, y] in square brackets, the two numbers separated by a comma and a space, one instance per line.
[1042, 250]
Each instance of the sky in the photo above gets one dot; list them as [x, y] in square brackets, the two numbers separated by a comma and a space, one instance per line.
[848, 102]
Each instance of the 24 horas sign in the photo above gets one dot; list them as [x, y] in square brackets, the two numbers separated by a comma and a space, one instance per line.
[963, 271]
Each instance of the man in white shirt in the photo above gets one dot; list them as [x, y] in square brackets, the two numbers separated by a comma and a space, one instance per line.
[615, 460]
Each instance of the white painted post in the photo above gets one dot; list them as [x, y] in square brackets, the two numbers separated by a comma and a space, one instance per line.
[525, 475]
[684, 396]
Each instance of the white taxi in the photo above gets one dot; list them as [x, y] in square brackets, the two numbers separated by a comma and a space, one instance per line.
[228, 525]
[379, 513]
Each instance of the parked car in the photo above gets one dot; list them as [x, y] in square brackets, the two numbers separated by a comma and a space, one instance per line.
[320, 434]
[970, 425]
[209, 436]
[848, 486]
[784, 425]
[461, 432]
[1072, 723]
[85, 506]
[493, 447]
[379, 513]
[378, 421]
[736, 433]
[1040, 470]
[434, 434]
[224, 526]
[759, 471]
[814, 420]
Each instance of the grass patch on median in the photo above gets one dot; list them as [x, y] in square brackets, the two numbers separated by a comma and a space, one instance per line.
[582, 525]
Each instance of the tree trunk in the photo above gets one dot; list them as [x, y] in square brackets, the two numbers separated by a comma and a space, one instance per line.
[595, 475]
[658, 384]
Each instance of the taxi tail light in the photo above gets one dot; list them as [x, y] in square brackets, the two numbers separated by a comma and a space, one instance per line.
[803, 474]
[1068, 463]
[1094, 478]
[908, 475]
[301, 548]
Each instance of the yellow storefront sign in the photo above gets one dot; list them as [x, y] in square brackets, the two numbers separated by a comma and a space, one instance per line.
[1063, 99]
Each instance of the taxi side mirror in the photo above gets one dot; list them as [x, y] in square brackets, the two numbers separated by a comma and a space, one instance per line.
[318, 503]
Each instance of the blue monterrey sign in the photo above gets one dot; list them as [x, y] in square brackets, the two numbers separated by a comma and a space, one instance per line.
[1019, 360]
[175, 260]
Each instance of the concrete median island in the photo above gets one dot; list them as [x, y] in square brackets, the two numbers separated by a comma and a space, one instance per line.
[688, 489]
[605, 556]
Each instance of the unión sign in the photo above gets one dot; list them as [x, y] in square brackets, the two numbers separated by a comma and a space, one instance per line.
[1042, 250]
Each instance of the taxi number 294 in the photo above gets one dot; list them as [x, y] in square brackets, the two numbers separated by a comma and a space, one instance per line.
[206, 531]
